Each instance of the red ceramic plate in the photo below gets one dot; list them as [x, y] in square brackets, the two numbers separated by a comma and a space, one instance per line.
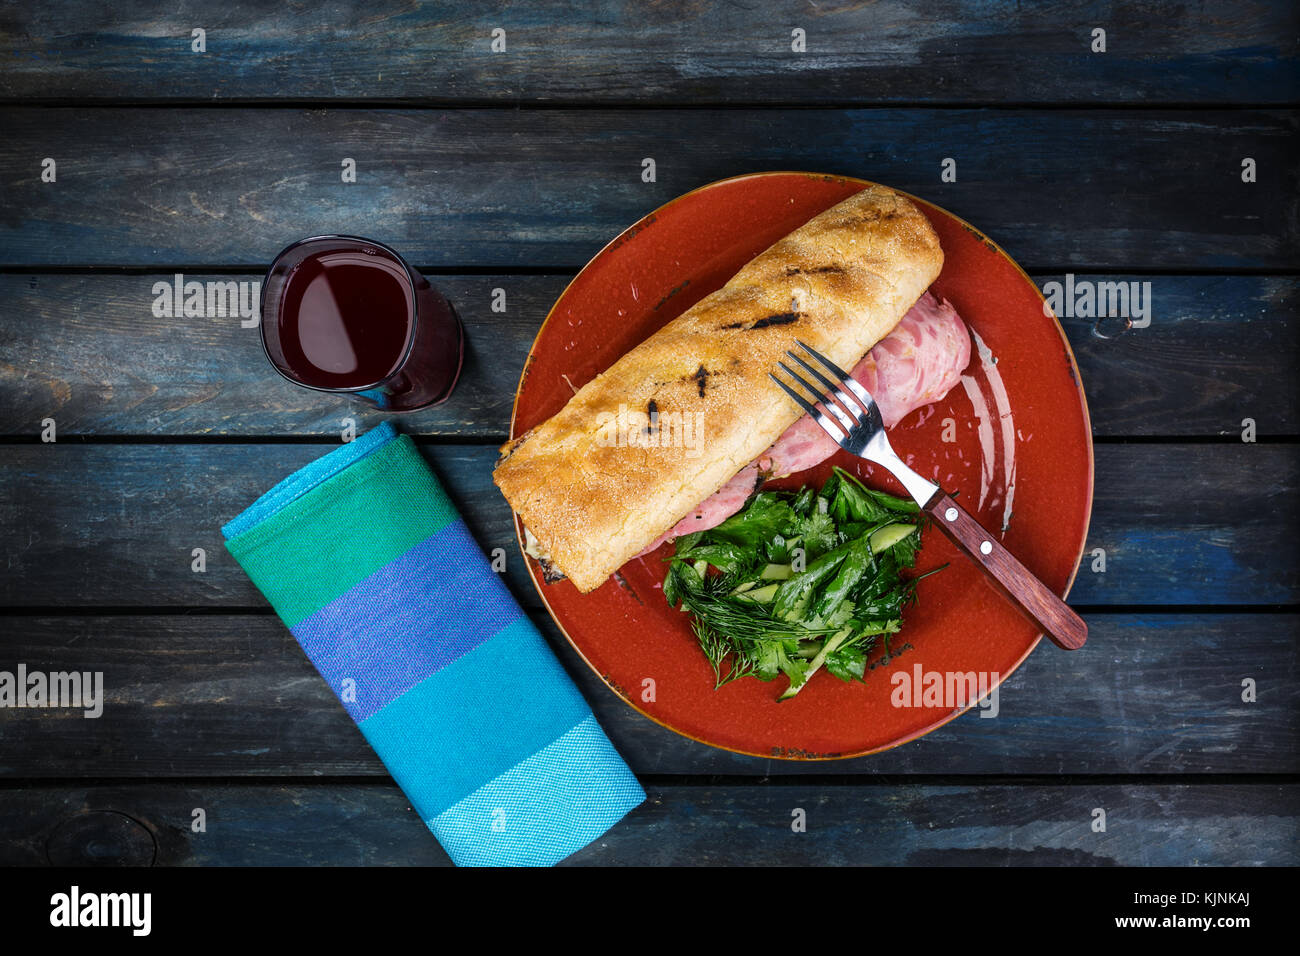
[1013, 440]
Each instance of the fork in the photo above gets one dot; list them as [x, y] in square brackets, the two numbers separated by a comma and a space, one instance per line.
[859, 430]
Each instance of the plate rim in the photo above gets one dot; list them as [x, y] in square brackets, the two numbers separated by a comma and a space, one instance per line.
[948, 716]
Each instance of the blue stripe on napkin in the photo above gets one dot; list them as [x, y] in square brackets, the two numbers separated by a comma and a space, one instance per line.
[425, 595]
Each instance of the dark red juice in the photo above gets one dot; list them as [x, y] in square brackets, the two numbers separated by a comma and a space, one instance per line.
[343, 314]
[346, 320]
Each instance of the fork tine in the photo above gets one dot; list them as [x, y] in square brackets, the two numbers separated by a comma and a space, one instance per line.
[803, 402]
[854, 386]
[831, 366]
[847, 421]
[827, 425]
[854, 408]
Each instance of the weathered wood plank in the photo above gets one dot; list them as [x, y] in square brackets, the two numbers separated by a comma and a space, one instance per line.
[232, 695]
[1218, 349]
[87, 351]
[990, 825]
[953, 51]
[1100, 190]
[96, 525]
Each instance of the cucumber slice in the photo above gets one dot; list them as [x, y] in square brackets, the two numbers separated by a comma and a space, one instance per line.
[763, 595]
[888, 536]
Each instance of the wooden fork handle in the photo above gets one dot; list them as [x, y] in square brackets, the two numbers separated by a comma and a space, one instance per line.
[1034, 598]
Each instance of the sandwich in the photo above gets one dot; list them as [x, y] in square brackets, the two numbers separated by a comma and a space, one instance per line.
[691, 410]
[916, 364]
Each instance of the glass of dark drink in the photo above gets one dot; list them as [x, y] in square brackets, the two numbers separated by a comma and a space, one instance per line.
[348, 315]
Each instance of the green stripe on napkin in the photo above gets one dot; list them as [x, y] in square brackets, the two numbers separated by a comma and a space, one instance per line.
[341, 532]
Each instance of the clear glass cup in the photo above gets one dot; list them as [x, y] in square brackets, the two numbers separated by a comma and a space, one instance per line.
[348, 315]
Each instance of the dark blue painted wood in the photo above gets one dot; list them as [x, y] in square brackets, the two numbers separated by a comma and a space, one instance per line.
[339, 824]
[943, 51]
[1125, 190]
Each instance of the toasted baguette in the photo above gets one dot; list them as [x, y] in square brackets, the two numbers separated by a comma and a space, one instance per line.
[840, 282]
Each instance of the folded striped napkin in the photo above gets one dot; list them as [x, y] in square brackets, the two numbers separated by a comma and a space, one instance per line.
[366, 560]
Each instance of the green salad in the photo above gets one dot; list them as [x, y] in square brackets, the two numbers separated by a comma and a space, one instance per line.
[799, 581]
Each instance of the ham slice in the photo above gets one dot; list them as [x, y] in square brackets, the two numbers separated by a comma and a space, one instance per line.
[914, 365]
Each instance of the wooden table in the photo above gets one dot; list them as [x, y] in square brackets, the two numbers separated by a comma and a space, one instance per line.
[508, 170]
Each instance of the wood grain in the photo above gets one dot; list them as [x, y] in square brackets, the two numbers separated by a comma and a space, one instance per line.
[947, 51]
[233, 695]
[331, 824]
[504, 189]
[90, 353]
[115, 525]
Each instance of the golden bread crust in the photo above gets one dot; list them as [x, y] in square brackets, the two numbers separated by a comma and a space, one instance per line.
[595, 486]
